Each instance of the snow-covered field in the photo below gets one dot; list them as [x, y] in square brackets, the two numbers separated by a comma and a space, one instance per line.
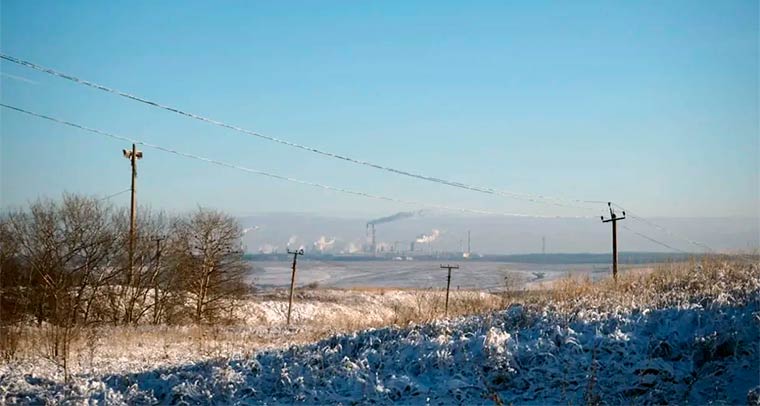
[685, 337]
[682, 355]
[415, 274]
[261, 324]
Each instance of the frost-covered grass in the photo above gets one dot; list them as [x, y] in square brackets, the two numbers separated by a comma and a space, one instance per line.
[685, 333]
[260, 323]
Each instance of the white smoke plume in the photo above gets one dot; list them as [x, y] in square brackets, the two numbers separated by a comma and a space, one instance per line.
[292, 240]
[249, 229]
[428, 238]
[353, 248]
[267, 249]
[323, 243]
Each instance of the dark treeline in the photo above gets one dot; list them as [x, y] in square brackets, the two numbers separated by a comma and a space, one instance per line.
[66, 263]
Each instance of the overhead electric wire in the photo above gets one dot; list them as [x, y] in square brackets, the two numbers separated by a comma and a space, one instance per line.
[275, 176]
[653, 240]
[536, 198]
[663, 229]
[111, 195]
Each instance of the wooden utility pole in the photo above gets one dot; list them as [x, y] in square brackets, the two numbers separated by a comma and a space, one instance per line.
[293, 279]
[448, 285]
[614, 219]
[133, 155]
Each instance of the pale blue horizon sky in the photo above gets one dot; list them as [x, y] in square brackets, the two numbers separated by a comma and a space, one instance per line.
[650, 104]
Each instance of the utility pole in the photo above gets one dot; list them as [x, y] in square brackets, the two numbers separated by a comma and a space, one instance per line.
[133, 155]
[448, 284]
[614, 219]
[293, 278]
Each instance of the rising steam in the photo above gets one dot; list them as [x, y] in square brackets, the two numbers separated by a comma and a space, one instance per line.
[353, 248]
[249, 229]
[267, 249]
[323, 243]
[428, 238]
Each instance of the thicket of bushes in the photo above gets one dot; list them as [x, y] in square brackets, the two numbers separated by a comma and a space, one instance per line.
[65, 264]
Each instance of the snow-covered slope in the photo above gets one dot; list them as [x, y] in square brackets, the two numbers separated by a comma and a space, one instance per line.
[691, 354]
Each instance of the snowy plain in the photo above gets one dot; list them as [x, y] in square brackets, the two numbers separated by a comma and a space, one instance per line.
[688, 334]
[418, 274]
[688, 355]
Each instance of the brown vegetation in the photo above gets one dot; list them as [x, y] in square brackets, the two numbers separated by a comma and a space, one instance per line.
[64, 268]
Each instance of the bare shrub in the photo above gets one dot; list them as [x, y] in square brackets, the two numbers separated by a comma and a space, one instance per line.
[513, 282]
[10, 336]
[209, 261]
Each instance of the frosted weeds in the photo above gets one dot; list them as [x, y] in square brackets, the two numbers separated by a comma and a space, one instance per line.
[692, 342]
[690, 355]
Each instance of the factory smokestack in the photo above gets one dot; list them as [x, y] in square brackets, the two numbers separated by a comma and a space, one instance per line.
[382, 220]
[372, 246]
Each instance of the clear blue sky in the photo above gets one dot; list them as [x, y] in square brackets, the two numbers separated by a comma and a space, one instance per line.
[651, 104]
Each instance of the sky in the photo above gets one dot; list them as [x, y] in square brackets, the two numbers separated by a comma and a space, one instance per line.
[653, 105]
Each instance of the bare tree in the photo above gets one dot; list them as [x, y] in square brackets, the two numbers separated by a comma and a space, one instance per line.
[64, 249]
[132, 299]
[65, 264]
[208, 256]
[12, 298]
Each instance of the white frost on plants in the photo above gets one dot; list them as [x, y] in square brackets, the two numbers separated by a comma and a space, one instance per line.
[704, 353]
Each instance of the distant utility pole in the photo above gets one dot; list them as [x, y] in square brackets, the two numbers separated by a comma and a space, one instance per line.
[293, 278]
[614, 219]
[133, 155]
[448, 284]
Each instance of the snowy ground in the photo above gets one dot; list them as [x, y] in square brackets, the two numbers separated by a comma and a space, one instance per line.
[261, 325]
[692, 354]
[686, 335]
[416, 274]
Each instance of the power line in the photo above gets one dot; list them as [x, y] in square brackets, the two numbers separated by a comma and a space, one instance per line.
[653, 240]
[665, 230]
[272, 175]
[112, 195]
[535, 198]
